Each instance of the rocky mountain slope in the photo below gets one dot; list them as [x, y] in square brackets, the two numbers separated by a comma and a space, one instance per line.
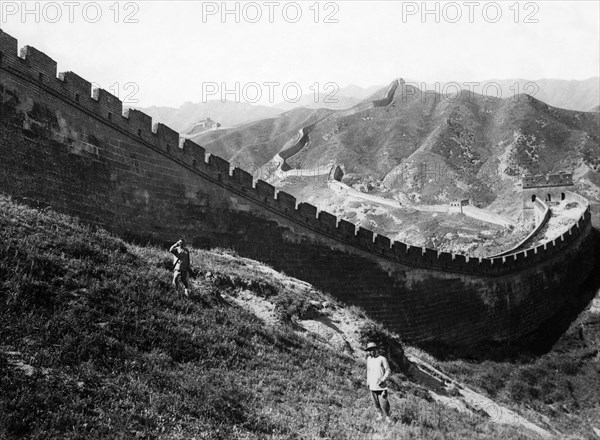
[464, 146]
[432, 148]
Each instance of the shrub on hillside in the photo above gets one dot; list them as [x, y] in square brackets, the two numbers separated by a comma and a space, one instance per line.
[374, 332]
[289, 307]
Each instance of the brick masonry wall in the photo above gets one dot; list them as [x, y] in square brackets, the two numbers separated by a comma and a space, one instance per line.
[59, 147]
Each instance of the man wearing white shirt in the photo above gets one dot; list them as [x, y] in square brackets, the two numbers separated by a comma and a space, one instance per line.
[378, 370]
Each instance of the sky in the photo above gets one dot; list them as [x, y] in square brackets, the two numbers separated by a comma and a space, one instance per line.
[167, 53]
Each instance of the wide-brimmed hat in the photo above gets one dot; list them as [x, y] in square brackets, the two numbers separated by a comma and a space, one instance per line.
[371, 346]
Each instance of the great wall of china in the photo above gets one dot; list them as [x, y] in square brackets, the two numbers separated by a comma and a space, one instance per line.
[280, 169]
[71, 148]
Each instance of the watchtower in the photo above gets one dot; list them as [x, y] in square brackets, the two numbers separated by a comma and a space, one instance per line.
[549, 188]
[456, 205]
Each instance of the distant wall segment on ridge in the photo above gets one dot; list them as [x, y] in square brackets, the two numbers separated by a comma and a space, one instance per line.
[300, 142]
[73, 149]
[389, 94]
[296, 145]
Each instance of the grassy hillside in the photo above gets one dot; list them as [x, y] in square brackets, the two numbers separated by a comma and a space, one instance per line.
[96, 344]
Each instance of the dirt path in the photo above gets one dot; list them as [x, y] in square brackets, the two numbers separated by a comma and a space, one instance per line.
[337, 328]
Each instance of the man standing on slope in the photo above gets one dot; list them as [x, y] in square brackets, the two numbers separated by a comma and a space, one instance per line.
[181, 265]
[378, 370]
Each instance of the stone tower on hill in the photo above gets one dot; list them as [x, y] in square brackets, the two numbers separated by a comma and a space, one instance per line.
[549, 188]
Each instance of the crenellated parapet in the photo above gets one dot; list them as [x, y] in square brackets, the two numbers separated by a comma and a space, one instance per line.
[40, 70]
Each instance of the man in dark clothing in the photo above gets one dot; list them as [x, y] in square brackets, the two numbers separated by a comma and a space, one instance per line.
[181, 262]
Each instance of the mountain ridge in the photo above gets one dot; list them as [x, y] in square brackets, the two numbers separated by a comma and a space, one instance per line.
[428, 148]
[579, 95]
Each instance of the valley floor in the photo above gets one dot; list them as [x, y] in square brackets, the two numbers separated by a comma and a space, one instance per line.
[414, 224]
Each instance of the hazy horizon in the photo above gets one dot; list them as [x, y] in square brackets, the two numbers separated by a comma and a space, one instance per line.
[168, 53]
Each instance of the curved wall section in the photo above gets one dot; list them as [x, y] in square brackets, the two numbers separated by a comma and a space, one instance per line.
[389, 95]
[541, 216]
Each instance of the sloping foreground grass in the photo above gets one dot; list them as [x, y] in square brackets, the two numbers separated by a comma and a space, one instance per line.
[95, 344]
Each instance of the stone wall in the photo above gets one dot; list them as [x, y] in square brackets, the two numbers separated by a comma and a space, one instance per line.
[389, 94]
[541, 214]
